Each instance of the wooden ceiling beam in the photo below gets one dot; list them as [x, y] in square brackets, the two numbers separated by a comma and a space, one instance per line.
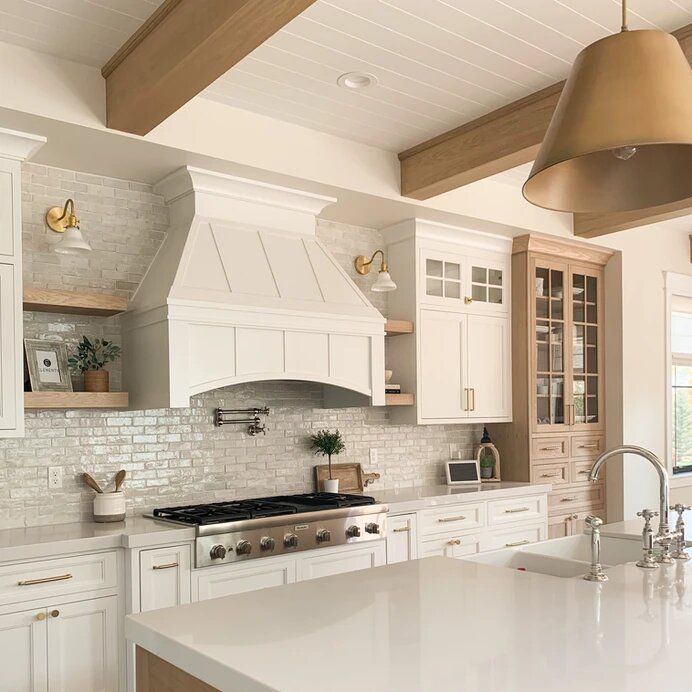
[180, 50]
[498, 141]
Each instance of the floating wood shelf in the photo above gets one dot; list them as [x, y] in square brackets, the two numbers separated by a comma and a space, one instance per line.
[43, 400]
[393, 327]
[402, 399]
[70, 302]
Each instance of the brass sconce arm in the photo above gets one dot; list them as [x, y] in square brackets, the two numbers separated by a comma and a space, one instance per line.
[60, 218]
[363, 264]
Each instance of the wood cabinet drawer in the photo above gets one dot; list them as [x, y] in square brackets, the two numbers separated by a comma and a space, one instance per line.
[452, 546]
[452, 518]
[580, 471]
[509, 538]
[587, 445]
[555, 473]
[51, 578]
[550, 447]
[565, 500]
[516, 509]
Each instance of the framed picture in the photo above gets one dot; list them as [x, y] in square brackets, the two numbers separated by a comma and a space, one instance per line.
[47, 365]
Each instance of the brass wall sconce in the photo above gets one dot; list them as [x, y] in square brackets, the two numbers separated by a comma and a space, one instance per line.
[384, 280]
[63, 220]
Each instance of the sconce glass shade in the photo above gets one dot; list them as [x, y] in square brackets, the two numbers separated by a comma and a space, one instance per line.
[383, 282]
[621, 135]
[72, 242]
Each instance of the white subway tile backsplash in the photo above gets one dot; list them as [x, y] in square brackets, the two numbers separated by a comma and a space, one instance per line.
[177, 455]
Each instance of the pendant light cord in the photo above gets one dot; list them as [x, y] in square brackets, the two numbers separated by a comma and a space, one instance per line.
[624, 16]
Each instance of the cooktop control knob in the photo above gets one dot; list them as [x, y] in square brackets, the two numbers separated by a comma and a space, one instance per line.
[372, 528]
[243, 548]
[353, 531]
[218, 552]
[323, 536]
[291, 540]
[267, 543]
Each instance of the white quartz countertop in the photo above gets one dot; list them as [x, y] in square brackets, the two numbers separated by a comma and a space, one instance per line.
[138, 532]
[435, 624]
[412, 499]
[632, 528]
[59, 539]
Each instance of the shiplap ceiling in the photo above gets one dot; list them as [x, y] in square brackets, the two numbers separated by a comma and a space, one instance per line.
[439, 63]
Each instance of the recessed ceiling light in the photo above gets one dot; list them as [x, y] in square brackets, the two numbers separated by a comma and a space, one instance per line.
[357, 80]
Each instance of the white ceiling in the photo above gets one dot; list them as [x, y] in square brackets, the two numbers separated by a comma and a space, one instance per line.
[439, 63]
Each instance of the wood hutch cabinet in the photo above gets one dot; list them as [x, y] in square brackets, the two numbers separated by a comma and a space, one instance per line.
[558, 402]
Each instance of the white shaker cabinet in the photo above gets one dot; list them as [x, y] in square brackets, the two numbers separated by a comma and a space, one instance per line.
[324, 563]
[24, 653]
[402, 538]
[164, 575]
[15, 147]
[454, 285]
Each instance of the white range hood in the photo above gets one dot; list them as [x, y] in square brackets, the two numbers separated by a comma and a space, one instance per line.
[242, 291]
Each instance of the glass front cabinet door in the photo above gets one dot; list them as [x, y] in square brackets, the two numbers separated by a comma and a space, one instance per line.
[567, 354]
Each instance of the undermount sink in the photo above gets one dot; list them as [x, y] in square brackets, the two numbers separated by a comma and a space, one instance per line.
[562, 557]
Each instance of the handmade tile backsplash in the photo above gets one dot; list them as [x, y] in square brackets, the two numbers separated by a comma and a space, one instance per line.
[177, 455]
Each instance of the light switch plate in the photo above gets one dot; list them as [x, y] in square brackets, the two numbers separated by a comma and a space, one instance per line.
[373, 456]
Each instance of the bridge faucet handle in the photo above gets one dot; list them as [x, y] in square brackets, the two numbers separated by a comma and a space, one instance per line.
[648, 515]
[679, 508]
[593, 522]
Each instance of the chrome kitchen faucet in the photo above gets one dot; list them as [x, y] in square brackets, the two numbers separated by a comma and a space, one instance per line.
[665, 537]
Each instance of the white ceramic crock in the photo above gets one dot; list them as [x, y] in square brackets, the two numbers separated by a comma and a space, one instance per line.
[330, 486]
[109, 506]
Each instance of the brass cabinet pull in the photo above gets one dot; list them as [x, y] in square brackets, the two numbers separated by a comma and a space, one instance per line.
[567, 499]
[454, 541]
[550, 475]
[403, 529]
[468, 300]
[466, 399]
[589, 445]
[517, 509]
[552, 448]
[168, 565]
[516, 543]
[54, 613]
[473, 399]
[583, 472]
[44, 580]
[445, 520]
[40, 616]
[573, 419]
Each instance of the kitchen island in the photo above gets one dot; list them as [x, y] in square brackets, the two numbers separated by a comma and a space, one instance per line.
[432, 624]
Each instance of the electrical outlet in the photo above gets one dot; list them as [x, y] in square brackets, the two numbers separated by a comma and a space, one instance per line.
[55, 477]
[373, 456]
[454, 451]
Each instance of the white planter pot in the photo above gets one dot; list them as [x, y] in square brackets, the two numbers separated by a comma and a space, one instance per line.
[330, 486]
[109, 506]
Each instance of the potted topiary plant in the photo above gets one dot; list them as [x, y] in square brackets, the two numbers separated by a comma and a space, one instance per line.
[328, 443]
[90, 359]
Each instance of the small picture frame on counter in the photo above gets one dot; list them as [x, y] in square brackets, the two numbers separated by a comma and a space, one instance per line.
[47, 365]
[462, 472]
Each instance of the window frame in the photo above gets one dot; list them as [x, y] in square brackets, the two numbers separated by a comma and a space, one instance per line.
[675, 285]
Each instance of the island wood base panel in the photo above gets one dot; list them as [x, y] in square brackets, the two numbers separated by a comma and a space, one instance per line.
[156, 675]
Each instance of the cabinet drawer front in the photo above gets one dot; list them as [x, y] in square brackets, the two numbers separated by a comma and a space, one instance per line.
[233, 579]
[455, 518]
[565, 500]
[164, 575]
[587, 445]
[509, 538]
[550, 447]
[580, 471]
[517, 509]
[49, 578]
[451, 546]
[556, 473]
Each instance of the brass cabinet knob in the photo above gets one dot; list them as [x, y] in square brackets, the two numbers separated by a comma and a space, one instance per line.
[54, 613]
[468, 300]
[40, 616]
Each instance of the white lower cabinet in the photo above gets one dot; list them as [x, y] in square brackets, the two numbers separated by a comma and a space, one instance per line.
[402, 538]
[328, 562]
[164, 577]
[451, 546]
[66, 647]
[513, 537]
[232, 579]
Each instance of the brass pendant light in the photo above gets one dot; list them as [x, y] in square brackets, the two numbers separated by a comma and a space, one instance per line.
[621, 135]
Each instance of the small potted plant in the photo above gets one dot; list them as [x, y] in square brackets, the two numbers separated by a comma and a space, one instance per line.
[328, 443]
[487, 464]
[90, 359]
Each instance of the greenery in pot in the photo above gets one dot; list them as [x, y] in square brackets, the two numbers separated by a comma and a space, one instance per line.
[93, 355]
[327, 443]
[487, 462]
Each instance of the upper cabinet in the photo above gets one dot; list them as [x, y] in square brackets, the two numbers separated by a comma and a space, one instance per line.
[15, 147]
[454, 284]
[567, 346]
